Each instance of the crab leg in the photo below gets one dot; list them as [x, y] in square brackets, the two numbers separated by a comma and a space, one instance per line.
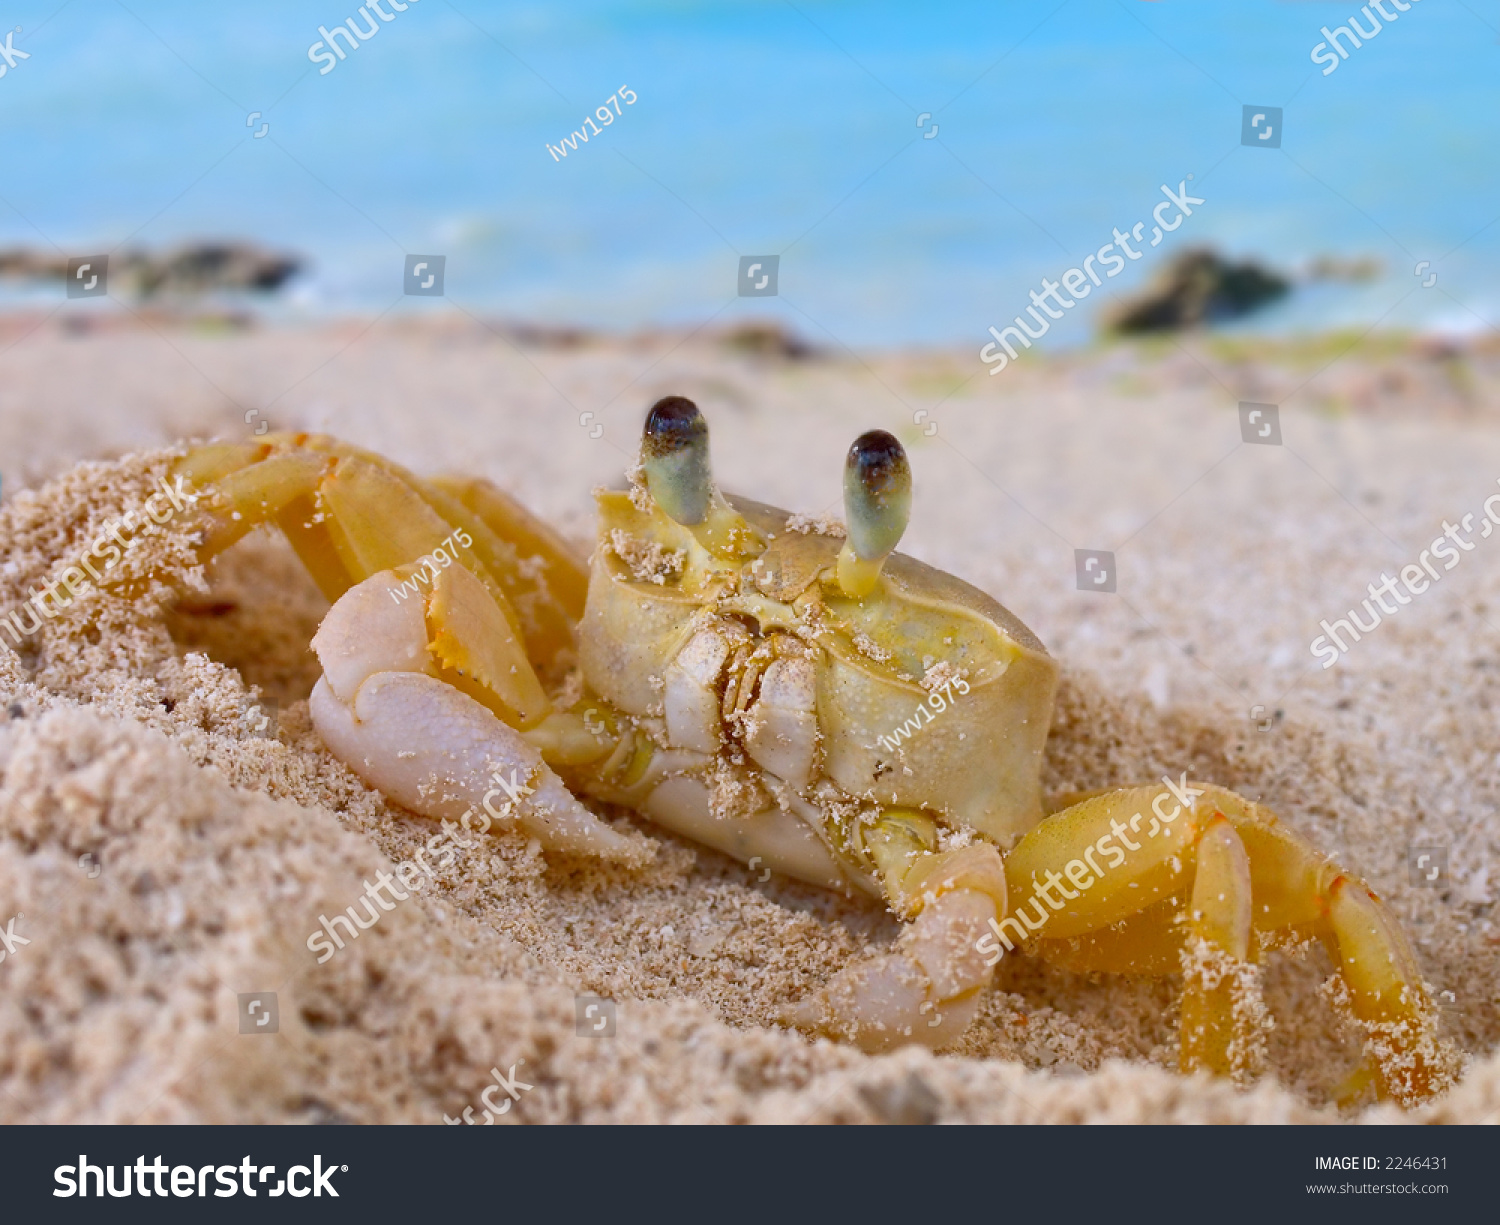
[1221, 989]
[557, 595]
[927, 991]
[1131, 855]
[1149, 943]
[1386, 996]
[257, 493]
[349, 514]
[539, 574]
[956, 896]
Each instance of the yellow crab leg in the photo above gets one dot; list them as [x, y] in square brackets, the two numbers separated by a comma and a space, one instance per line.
[544, 577]
[1386, 996]
[1149, 943]
[319, 544]
[1249, 875]
[255, 483]
[381, 521]
[497, 557]
[384, 522]
[1297, 890]
[1126, 851]
[211, 462]
[1220, 988]
[350, 515]
[250, 496]
[529, 563]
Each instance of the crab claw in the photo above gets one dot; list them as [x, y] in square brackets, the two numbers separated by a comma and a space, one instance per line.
[926, 992]
[385, 709]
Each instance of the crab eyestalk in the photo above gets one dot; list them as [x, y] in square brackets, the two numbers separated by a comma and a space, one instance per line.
[877, 506]
[674, 454]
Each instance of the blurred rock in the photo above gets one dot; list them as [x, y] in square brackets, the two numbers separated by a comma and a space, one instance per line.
[1198, 287]
[205, 267]
[768, 339]
[1332, 268]
[191, 269]
[23, 264]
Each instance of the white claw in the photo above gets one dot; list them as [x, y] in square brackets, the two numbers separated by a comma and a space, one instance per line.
[368, 631]
[430, 747]
[924, 993]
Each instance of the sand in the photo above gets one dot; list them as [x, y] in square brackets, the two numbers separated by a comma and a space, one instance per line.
[127, 735]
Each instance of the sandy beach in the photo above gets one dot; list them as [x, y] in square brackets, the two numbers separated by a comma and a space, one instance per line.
[130, 744]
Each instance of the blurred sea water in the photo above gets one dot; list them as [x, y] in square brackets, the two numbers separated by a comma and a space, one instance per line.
[792, 129]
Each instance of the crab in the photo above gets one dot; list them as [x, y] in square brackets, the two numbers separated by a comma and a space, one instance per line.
[797, 694]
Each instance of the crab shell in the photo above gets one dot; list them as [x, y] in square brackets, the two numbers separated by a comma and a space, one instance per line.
[975, 765]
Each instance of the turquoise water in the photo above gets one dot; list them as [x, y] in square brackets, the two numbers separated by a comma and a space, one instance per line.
[764, 128]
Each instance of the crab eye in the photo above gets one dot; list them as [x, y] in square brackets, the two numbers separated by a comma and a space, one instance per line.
[674, 453]
[877, 506]
[877, 494]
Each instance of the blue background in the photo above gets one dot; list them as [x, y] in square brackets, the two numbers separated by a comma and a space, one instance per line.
[765, 128]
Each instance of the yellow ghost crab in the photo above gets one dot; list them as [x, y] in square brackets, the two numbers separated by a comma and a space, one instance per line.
[758, 683]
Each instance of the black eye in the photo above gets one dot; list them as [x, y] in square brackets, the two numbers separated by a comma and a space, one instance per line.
[674, 453]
